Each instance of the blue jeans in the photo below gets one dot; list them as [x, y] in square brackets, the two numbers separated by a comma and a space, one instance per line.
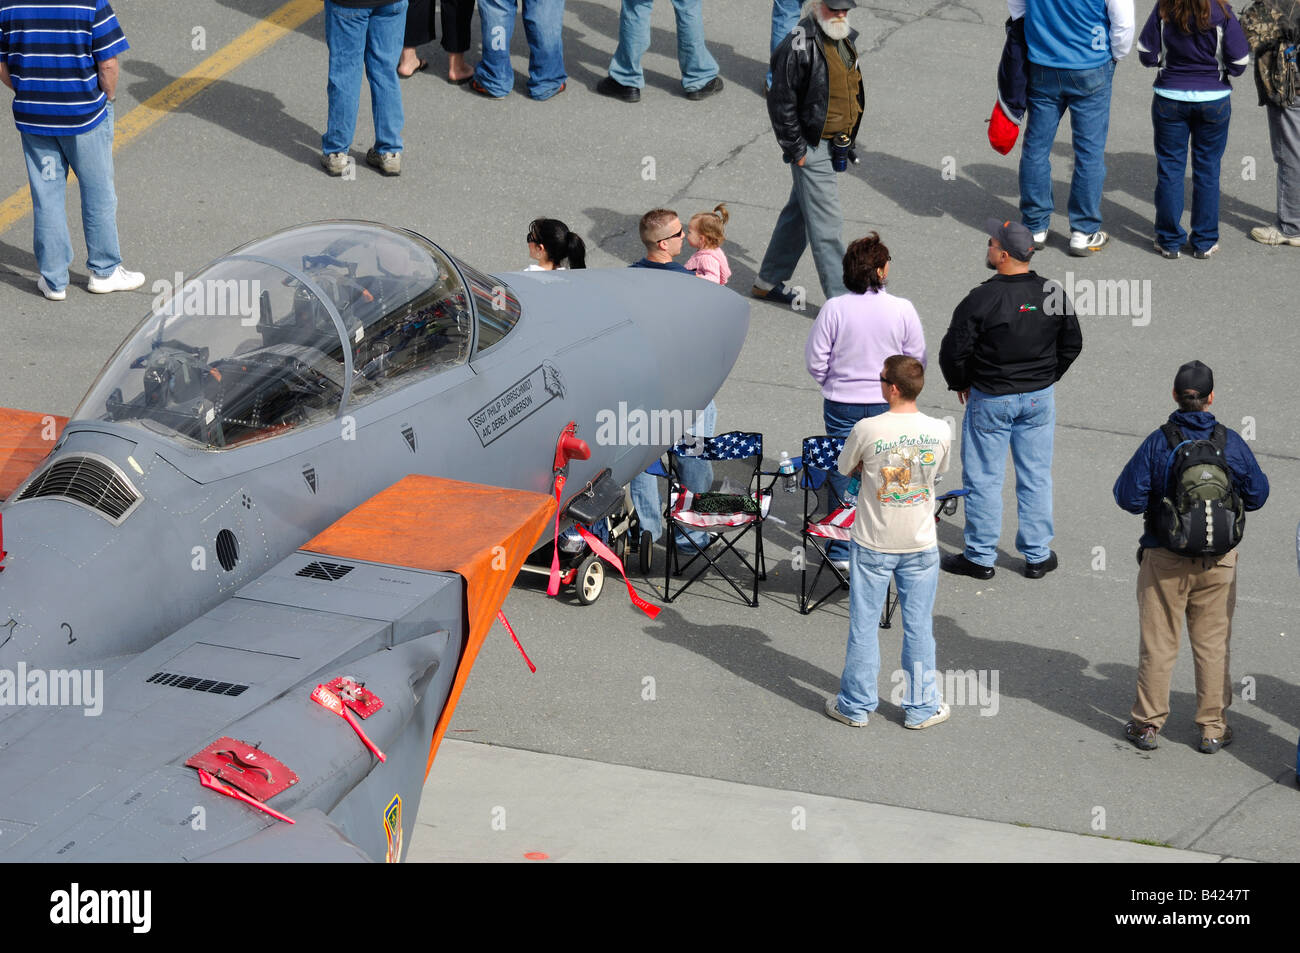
[543, 27]
[371, 37]
[693, 58]
[916, 577]
[840, 419]
[1086, 94]
[1207, 125]
[811, 216]
[90, 156]
[1028, 423]
[695, 473]
[785, 14]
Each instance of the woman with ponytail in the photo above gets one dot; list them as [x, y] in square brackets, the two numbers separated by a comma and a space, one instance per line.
[552, 246]
[1197, 45]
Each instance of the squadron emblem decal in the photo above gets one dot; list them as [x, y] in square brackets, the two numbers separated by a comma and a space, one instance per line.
[517, 403]
[393, 829]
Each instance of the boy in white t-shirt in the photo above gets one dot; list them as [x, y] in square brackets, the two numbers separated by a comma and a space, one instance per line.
[897, 456]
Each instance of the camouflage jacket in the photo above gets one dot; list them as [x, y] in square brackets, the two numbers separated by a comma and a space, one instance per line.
[1273, 31]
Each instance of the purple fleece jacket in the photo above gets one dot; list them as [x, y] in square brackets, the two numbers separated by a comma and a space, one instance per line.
[1201, 60]
[851, 338]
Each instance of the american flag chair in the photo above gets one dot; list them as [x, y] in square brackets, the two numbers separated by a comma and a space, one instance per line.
[825, 517]
[734, 502]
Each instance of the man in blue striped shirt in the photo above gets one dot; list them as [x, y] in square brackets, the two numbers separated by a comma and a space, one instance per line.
[60, 59]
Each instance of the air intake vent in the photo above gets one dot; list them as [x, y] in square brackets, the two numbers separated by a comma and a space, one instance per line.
[88, 480]
[197, 684]
[326, 572]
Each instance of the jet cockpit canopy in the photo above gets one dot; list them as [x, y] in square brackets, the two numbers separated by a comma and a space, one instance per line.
[293, 329]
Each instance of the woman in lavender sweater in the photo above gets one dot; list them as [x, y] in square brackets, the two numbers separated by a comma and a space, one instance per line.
[848, 344]
[1197, 45]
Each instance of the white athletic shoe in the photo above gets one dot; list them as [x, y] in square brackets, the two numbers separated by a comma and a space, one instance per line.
[1040, 239]
[938, 718]
[1082, 244]
[48, 291]
[119, 280]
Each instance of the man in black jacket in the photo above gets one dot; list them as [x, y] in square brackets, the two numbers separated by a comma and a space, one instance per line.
[1010, 341]
[816, 94]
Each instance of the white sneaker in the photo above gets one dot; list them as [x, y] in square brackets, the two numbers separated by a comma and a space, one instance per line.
[119, 280]
[833, 711]
[938, 718]
[1040, 239]
[48, 291]
[1269, 235]
[1082, 244]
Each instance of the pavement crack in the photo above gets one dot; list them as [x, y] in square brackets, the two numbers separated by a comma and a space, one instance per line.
[685, 190]
[1242, 800]
[901, 19]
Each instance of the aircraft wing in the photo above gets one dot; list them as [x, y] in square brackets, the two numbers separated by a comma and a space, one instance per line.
[26, 438]
[398, 594]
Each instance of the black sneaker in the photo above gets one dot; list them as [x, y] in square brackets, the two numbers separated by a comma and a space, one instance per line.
[959, 564]
[1039, 570]
[609, 86]
[777, 294]
[1211, 745]
[708, 89]
[1143, 736]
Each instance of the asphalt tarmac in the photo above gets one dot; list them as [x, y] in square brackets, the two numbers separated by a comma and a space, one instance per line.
[714, 689]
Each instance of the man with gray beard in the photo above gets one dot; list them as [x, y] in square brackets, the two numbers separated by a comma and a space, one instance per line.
[817, 95]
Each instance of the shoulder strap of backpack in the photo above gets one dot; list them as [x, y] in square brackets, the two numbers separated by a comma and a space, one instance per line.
[1219, 438]
[1173, 435]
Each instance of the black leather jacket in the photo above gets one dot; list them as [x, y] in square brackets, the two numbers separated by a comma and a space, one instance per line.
[797, 101]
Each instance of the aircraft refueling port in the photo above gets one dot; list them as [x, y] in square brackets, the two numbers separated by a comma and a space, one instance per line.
[227, 549]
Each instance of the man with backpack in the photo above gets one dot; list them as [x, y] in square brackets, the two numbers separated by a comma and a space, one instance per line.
[1193, 480]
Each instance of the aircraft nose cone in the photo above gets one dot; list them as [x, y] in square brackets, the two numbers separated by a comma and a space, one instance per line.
[694, 331]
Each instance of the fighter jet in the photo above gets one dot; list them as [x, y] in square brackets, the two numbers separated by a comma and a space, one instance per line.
[318, 462]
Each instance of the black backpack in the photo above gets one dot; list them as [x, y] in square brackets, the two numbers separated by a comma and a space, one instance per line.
[1201, 513]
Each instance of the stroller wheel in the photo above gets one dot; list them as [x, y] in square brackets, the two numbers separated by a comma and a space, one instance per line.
[590, 580]
[620, 547]
[647, 553]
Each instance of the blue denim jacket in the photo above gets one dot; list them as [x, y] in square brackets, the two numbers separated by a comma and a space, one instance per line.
[1141, 484]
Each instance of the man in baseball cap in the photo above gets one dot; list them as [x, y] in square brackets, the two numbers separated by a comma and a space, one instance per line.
[1194, 379]
[1173, 585]
[1010, 341]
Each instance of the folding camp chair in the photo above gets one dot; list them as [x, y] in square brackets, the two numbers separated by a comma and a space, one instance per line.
[715, 493]
[825, 517]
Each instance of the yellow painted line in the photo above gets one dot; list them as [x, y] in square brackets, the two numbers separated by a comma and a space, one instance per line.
[253, 41]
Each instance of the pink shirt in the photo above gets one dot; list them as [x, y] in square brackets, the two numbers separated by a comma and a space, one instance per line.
[710, 263]
[851, 338]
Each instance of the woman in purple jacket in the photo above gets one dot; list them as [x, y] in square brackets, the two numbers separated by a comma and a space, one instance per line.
[848, 344]
[1197, 45]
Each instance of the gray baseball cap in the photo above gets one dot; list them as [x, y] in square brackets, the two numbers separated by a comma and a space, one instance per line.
[1014, 238]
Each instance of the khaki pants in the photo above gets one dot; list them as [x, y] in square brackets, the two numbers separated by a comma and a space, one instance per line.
[1204, 591]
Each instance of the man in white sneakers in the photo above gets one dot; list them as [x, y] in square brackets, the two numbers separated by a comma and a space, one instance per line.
[60, 59]
[897, 455]
[1073, 48]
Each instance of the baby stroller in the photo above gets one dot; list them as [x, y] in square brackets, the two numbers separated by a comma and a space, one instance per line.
[580, 568]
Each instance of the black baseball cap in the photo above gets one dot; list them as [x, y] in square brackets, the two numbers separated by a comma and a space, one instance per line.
[840, 4]
[1194, 377]
[1015, 239]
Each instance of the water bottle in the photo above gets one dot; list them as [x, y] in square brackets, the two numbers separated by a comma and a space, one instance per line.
[786, 469]
[851, 492]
